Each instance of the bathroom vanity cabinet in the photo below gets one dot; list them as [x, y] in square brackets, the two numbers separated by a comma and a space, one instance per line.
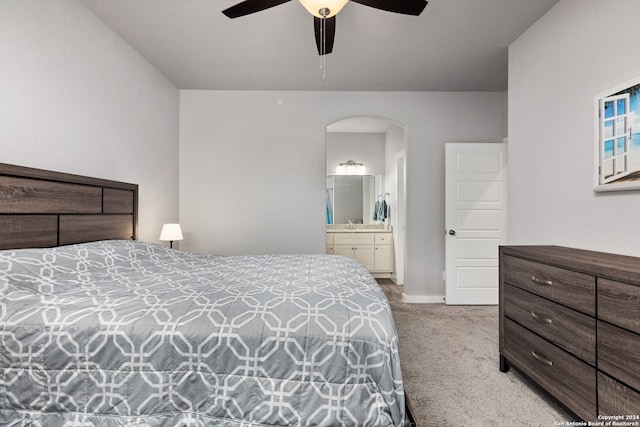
[373, 249]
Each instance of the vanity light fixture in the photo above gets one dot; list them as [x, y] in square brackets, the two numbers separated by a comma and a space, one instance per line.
[351, 168]
[171, 232]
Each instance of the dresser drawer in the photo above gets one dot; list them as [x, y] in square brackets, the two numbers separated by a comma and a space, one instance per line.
[615, 398]
[568, 379]
[619, 353]
[619, 303]
[383, 238]
[353, 238]
[567, 328]
[570, 288]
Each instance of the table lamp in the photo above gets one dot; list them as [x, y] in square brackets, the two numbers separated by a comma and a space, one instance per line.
[171, 232]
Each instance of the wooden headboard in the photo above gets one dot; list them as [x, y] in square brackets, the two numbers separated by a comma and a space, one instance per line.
[40, 208]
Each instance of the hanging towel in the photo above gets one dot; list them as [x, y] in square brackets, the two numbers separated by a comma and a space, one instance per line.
[329, 213]
[380, 210]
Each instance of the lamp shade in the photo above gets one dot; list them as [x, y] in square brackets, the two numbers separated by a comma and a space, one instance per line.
[314, 7]
[171, 232]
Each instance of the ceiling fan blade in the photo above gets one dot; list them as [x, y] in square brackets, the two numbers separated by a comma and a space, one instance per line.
[406, 7]
[325, 34]
[251, 6]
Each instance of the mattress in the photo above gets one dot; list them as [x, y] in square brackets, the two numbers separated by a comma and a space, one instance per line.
[116, 333]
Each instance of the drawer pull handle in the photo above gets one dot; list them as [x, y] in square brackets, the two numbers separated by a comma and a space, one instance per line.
[541, 319]
[541, 281]
[541, 359]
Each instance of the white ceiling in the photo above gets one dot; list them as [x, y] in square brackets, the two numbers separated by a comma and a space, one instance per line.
[455, 45]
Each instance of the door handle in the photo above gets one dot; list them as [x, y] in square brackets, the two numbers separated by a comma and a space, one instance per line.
[452, 232]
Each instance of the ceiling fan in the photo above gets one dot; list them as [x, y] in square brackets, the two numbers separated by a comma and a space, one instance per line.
[324, 13]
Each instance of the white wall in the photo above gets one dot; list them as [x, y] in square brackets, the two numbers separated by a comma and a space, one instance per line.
[579, 49]
[365, 148]
[252, 167]
[76, 98]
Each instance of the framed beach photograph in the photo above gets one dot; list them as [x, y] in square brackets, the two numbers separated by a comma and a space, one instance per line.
[618, 138]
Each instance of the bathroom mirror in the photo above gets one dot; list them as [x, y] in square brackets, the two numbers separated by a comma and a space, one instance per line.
[352, 198]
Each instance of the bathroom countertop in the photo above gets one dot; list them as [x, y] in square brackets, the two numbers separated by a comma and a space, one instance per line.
[360, 229]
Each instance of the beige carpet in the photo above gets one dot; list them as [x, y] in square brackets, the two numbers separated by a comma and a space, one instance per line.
[449, 357]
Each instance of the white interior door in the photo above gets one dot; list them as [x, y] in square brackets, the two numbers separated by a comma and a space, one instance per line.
[475, 220]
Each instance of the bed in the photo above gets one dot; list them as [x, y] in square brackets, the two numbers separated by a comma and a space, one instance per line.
[99, 329]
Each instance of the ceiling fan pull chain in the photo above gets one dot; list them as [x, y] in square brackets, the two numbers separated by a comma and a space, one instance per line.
[321, 45]
[324, 12]
[324, 48]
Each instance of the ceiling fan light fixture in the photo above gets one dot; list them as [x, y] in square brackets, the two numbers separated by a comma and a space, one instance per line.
[317, 7]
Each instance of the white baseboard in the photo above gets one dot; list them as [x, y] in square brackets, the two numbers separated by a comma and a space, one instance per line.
[423, 299]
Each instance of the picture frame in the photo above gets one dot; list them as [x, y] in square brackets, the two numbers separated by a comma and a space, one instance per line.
[617, 138]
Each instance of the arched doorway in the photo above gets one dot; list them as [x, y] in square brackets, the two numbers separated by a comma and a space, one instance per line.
[379, 143]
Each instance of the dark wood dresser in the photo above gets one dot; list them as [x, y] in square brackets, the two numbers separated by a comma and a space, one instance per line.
[570, 321]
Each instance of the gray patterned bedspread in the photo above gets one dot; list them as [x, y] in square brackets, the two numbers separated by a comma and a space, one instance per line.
[117, 333]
